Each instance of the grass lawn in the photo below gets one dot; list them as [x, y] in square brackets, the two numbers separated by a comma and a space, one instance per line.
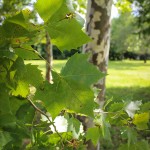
[126, 80]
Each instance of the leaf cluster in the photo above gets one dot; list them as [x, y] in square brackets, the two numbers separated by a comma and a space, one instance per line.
[29, 105]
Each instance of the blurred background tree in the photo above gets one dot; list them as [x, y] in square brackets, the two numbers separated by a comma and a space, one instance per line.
[135, 30]
[9, 7]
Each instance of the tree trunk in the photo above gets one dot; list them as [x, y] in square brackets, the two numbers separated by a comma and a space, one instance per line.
[49, 58]
[145, 57]
[98, 28]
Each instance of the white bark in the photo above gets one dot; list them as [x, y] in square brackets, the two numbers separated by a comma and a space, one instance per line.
[98, 28]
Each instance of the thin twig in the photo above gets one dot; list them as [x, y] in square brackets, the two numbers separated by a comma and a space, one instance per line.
[40, 111]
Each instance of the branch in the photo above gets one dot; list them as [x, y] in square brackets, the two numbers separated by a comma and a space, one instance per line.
[40, 111]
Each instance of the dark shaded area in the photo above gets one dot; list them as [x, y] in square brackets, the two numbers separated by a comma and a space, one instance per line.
[57, 54]
[129, 93]
[115, 55]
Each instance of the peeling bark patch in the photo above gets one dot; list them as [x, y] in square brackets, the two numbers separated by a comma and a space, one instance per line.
[94, 59]
[100, 57]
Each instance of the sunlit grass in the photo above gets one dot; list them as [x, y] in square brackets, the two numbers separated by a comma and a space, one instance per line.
[128, 73]
[126, 80]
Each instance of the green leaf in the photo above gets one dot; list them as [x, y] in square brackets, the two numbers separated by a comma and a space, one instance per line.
[76, 124]
[22, 89]
[64, 32]
[14, 30]
[116, 107]
[118, 117]
[93, 134]
[73, 124]
[4, 100]
[4, 138]
[78, 69]
[15, 104]
[26, 54]
[48, 10]
[6, 117]
[25, 113]
[31, 75]
[71, 89]
[17, 30]
[67, 34]
[18, 19]
[132, 136]
[8, 54]
[141, 120]
[55, 138]
[104, 124]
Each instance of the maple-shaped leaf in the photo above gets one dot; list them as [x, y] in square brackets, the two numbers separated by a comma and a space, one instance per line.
[71, 88]
[115, 107]
[62, 23]
[60, 95]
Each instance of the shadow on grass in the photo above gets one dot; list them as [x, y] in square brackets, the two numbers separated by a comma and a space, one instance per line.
[128, 93]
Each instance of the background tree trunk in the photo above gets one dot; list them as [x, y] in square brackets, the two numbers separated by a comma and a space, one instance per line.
[49, 58]
[98, 28]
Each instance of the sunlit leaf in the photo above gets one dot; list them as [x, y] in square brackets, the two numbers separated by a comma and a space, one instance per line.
[71, 88]
[141, 120]
[64, 27]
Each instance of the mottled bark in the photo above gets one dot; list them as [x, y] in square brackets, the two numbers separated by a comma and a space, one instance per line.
[98, 28]
[49, 58]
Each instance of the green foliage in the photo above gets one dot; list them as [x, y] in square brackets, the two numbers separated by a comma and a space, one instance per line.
[94, 133]
[122, 28]
[76, 81]
[4, 138]
[124, 6]
[143, 18]
[62, 23]
[141, 120]
[29, 104]
[126, 41]
[137, 146]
